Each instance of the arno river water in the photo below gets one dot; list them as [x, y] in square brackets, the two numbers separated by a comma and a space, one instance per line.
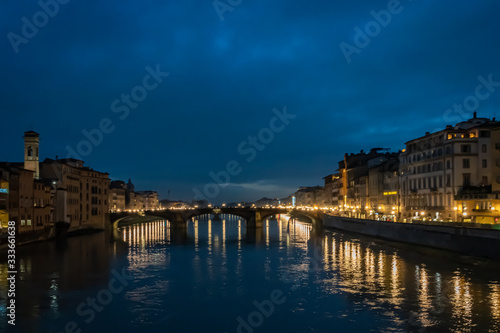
[219, 277]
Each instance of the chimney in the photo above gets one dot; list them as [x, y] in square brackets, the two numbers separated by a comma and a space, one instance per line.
[475, 114]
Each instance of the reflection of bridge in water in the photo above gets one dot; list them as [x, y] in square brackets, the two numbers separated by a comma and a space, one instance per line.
[254, 217]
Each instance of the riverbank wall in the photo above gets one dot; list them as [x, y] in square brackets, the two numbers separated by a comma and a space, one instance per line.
[474, 241]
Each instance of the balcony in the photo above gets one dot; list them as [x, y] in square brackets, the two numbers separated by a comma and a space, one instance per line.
[434, 208]
[473, 192]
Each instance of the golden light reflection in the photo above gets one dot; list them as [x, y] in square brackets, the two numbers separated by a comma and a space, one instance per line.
[334, 254]
[494, 298]
[424, 300]
[381, 269]
[267, 232]
[370, 266]
[224, 242]
[280, 226]
[146, 234]
[326, 254]
[25, 265]
[239, 234]
[374, 275]
[167, 231]
[356, 262]
[209, 235]
[461, 301]
[223, 232]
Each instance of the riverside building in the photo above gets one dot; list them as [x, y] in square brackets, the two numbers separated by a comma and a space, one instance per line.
[453, 174]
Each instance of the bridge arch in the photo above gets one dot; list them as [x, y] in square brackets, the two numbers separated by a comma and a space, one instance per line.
[312, 217]
[252, 216]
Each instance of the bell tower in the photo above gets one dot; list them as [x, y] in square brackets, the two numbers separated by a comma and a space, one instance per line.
[31, 143]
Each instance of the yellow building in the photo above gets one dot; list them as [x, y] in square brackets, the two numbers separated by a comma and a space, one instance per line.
[4, 200]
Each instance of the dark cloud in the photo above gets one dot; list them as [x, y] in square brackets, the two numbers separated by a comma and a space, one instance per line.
[227, 76]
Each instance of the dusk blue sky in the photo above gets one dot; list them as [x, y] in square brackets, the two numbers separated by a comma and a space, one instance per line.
[227, 76]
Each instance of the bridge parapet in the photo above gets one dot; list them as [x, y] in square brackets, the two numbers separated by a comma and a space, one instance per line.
[253, 216]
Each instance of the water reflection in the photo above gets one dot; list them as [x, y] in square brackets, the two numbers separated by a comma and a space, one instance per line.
[370, 274]
[216, 268]
[49, 270]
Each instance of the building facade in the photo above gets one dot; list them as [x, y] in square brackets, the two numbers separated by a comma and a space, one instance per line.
[117, 195]
[383, 189]
[331, 188]
[310, 196]
[151, 200]
[81, 192]
[452, 174]
[4, 198]
[42, 205]
[354, 171]
[124, 197]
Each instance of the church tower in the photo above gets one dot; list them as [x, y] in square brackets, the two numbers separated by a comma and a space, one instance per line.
[130, 186]
[31, 143]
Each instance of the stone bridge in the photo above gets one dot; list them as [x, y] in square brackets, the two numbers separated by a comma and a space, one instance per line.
[254, 217]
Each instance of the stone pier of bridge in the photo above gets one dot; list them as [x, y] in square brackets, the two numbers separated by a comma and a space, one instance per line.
[254, 217]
